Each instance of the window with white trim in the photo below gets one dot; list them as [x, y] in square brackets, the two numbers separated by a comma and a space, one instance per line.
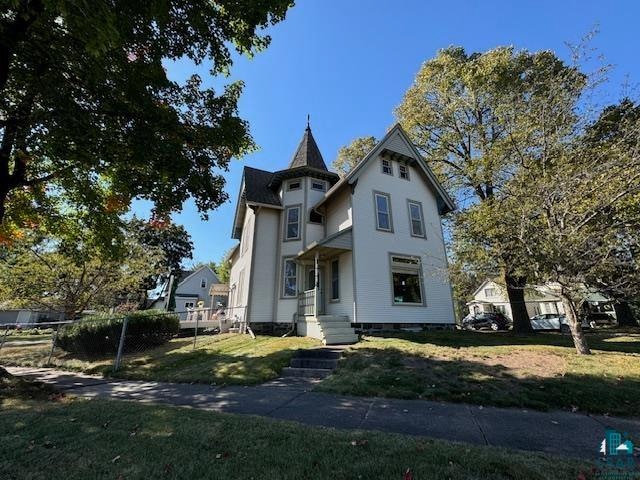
[189, 304]
[294, 185]
[383, 212]
[386, 167]
[292, 226]
[203, 283]
[335, 280]
[403, 170]
[319, 186]
[406, 275]
[416, 219]
[289, 278]
[489, 292]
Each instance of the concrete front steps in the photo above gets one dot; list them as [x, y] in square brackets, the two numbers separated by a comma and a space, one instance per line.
[313, 363]
[331, 329]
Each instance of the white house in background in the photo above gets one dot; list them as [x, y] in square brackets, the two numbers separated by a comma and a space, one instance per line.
[193, 287]
[492, 297]
[331, 254]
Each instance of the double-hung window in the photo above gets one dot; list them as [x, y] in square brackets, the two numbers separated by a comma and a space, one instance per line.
[384, 220]
[335, 280]
[203, 283]
[416, 219]
[404, 172]
[386, 167]
[289, 278]
[292, 223]
[407, 280]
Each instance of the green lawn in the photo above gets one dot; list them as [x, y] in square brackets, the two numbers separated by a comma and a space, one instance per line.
[539, 371]
[229, 358]
[80, 439]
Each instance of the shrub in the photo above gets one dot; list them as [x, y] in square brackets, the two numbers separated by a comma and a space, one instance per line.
[100, 334]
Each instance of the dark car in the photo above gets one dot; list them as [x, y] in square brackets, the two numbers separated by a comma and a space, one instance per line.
[490, 320]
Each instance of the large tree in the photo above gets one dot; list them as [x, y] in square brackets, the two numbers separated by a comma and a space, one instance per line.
[349, 155]
[89, 117]
[69, 272]
[474, 115]
[572, 219]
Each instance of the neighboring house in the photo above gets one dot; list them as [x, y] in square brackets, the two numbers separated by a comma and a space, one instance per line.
[193, 287]
[366, 250]
[25, 315]
[492, 297]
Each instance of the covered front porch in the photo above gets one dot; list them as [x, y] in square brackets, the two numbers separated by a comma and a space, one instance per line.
[321, 266]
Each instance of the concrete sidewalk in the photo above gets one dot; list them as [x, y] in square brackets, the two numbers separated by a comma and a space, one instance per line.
[560, 433]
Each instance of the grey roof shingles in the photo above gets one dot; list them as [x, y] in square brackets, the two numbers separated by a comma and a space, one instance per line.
[308, 154]
[256, 187]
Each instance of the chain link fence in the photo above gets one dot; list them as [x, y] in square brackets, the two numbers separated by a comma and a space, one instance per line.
[107, 344]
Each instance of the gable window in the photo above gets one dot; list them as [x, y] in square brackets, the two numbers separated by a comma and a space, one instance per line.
[383, 212]
[320, 186]
[404, 172]
[406, 278]
[489, 292]
[315, 217]
[289, 278]
[416, 219]
[292, 225]
[386, 167]
[203, 283]
[293, 185]
[335, 280]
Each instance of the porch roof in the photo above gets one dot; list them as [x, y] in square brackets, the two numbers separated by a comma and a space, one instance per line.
[330, 246]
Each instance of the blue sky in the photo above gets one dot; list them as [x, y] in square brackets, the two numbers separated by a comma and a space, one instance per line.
[348, 63]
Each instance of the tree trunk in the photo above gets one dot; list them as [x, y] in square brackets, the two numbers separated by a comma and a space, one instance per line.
[624, 315]
[575, 325]
[515, 293]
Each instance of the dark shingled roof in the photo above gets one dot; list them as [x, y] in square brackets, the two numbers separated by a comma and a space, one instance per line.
[308, 153]
[256, 187]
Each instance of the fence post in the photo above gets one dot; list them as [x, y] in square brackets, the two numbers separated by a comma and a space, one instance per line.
[6, 333]
[195, 332]
[54, 337]
[116, 366]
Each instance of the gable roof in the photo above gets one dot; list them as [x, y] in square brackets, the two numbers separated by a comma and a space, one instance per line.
[445, 203]
[194, 272]
[308, 154]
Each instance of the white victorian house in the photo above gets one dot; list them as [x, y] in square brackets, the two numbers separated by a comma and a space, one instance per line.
[330, 254]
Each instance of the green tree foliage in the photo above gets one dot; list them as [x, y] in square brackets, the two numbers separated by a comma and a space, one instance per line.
[68, 272]
[89, 118]
[350, 155]
[172, 240]
[474, 116]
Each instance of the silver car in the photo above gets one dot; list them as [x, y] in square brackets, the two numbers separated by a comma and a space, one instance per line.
[553, 321]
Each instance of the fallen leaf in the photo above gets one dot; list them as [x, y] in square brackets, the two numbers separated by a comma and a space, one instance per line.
[555, 423]
[115, 459]
[359, 443]
[408, 475]
[105, 424]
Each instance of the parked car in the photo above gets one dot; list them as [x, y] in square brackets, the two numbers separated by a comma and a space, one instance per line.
[491, 320]
[554, 321]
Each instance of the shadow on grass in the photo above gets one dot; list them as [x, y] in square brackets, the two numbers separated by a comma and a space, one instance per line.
[391, 372]
[605, 341]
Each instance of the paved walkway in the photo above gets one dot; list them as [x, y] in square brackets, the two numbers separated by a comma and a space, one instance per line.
[559, 433]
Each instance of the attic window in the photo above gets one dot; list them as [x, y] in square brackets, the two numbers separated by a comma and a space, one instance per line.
[404, 172]
[386, 167]
[315, 217]
[203, 283]
[320, 186]
[293, 185]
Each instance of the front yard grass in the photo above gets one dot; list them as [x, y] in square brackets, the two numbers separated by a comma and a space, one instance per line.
[219, 359]
[78, 439]
[540, 371]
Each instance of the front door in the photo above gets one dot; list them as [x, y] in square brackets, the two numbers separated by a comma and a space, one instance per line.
[311, 279]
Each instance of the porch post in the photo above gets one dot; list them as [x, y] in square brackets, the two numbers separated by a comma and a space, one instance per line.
[316, 280]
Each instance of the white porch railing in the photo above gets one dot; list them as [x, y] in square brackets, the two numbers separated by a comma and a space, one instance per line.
[311, 303]
[224, 319]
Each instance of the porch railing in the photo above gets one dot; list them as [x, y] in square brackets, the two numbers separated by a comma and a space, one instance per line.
[311, 303]
[307, 303]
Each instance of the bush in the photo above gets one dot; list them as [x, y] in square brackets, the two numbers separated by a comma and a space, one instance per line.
[100, 334]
